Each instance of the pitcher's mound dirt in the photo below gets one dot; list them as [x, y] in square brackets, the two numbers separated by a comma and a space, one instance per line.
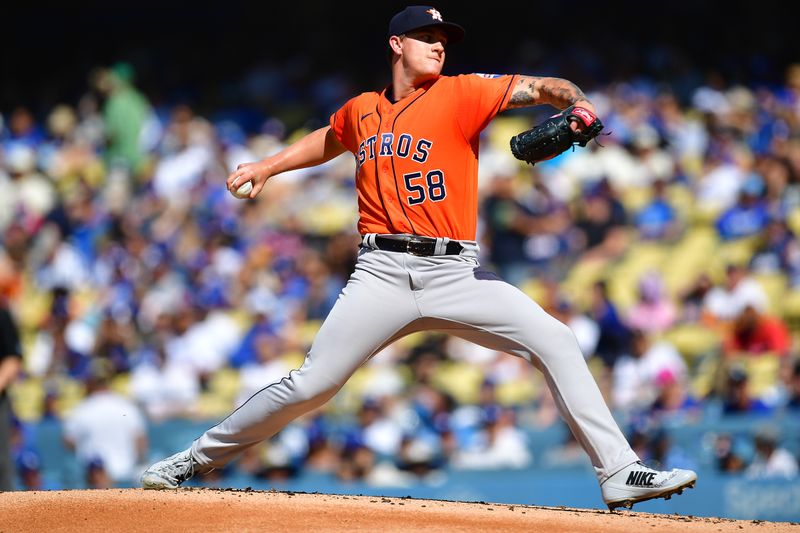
[207, 511]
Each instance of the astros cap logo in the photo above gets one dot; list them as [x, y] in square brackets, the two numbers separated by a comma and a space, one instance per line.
[416, 17]
[435, 15]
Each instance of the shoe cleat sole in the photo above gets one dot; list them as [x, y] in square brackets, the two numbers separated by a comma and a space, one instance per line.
[157, 483]
[628, 504]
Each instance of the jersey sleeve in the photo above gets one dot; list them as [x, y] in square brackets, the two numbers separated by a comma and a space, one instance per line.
[481, 97]
[342, 125]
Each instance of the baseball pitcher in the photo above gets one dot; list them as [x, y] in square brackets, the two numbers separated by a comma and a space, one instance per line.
[416, 149]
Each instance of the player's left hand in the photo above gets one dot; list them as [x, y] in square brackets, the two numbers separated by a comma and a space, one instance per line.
[575, 125]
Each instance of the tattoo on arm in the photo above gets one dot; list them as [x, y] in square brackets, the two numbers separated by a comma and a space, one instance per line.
[557, 92]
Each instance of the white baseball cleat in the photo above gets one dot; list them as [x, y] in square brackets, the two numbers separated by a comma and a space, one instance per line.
[638, 482]
[170, 472]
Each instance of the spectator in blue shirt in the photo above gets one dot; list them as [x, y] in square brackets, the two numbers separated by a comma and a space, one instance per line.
[749, 216]
[615, 336]
[657, 219]
[738, 399]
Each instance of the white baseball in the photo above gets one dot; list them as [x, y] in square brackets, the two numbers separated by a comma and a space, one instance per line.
[244, 190]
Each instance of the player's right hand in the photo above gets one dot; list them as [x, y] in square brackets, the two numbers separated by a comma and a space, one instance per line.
[257, 172]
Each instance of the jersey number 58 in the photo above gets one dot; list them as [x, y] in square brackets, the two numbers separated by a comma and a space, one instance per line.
[432, 189]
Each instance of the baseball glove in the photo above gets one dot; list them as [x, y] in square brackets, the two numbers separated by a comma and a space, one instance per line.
[555, 135]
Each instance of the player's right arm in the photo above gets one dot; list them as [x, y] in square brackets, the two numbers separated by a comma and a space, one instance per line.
[314, 149]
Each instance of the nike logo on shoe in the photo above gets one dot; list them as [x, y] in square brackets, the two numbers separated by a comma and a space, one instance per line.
[640, 479]
[638, 483]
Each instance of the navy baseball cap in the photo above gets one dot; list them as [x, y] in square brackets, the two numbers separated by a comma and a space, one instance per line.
[417, 17]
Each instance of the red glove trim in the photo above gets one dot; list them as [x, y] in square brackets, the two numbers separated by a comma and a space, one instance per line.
[584, 114]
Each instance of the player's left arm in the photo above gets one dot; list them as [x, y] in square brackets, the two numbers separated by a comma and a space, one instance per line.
[559, 93]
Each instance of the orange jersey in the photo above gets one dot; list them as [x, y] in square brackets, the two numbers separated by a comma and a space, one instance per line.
[417, 159]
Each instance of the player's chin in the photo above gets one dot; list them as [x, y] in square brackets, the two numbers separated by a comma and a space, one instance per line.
[432, 73]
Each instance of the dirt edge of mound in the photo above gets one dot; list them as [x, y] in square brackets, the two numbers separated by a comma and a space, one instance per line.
[212, 510]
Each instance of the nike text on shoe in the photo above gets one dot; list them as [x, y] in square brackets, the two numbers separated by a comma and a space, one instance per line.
[637, 483]
[169, 473]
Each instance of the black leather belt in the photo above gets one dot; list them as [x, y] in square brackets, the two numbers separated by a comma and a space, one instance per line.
[422, 246]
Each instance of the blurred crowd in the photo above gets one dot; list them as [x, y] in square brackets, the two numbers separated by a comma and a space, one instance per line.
[141, 286]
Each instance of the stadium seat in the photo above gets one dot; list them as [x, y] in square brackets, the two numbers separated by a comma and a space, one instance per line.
[351, 396]
[790, 309]
[309, 331]
[34, 306]
[775, 286]
[763, 371]
[635, 198]
[535, 289]
[121, 384]
[681, 199]
[412, 341]
[27, 399]
[242, 317]
[70, 393]
[704, 375]
[503, 128]
[688, 258]
[520, 391]
[460, 380]
[793, 221]
[704, 216]
[600, 372]
[225, 384]
[213, 406]
[578, 283]
[624, 277]
[738, 251]
[328, 218]
[220, 396]
[693, 341]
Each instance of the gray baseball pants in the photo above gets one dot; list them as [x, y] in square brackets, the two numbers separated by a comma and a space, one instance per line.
[393, 294]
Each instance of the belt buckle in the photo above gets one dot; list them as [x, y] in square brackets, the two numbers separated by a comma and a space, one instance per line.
[416, 247]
